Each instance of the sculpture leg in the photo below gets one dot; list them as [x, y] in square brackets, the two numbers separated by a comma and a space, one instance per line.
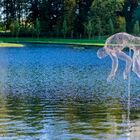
[136, 63]
[121, 55]
[114, 59]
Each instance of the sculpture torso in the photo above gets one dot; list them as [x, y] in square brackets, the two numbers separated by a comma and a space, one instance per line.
[119, 41]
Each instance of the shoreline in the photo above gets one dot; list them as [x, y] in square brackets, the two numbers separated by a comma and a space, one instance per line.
[12, 45]
[18, 42]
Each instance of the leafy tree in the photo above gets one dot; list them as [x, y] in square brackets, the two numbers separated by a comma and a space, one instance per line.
[89, 28]
[21, 9]
[128, 12]
[72, 18]
[65, 28]
[15, 28]
[69, 15]
[33, 10]
[99, 28]
[102, 11]
[44, 16]
[136, 20]
[136, 29]
[81, 16]
[37, 28]
[56, 9]
[8, 12]
[111, 26]
[136, 14]
[121, 24]
[31, 28]
[13, 10]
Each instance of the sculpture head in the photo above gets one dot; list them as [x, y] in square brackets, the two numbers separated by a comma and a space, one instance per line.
[101, 53]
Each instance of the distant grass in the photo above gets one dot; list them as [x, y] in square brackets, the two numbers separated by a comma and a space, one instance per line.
[87, 42]
[10, 45]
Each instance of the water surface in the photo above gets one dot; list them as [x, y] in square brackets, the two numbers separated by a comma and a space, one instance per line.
[56, 92]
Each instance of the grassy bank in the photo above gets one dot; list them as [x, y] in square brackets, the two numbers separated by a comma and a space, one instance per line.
[11, 45]
[88, 42]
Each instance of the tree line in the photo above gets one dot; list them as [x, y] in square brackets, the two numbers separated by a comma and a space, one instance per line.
[69, 18]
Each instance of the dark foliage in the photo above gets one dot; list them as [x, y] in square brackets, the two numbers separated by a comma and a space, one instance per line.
[69, 18]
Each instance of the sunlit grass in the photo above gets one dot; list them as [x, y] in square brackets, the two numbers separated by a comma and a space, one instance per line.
[10, 45]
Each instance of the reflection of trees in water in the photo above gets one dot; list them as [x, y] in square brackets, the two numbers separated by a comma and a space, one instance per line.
[25, 108]
[24, 116]
[34, 115]
[96, 119]
[3, 117]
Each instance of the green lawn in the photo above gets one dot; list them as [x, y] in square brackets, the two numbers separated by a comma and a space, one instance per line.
[87, 42]
[11, 45]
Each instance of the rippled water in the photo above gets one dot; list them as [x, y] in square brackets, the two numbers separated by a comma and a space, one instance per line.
[53, 92]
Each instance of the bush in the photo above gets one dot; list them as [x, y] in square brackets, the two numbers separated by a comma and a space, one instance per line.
[15, 28]
[88, 28]
[111, 26]
[136, 29]
[121, 23]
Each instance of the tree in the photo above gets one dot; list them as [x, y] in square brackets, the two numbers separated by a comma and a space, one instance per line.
[81, 16]
[99, 28]
[111, 26]
[136, 20]
[69, 15]
[129, 10]
[33, 10]
[136, 14]
[136, 29]
[8, 12]
[102, 11]
[21, 8]
[121, 24]
[13, 10]
[89, 28]
[15, 28]
[65, 28]
[71, 18]
[37, 28]
[44, 17]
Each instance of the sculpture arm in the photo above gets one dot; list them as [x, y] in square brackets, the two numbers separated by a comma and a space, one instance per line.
[121, 55]
[114, 59]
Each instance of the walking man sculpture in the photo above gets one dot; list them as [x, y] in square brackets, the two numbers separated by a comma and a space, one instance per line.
[114, 46]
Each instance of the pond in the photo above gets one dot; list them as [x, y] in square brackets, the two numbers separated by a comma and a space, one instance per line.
[57, 92]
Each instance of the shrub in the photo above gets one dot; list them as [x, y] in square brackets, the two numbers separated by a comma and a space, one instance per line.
[136, 29]
[15, 28]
